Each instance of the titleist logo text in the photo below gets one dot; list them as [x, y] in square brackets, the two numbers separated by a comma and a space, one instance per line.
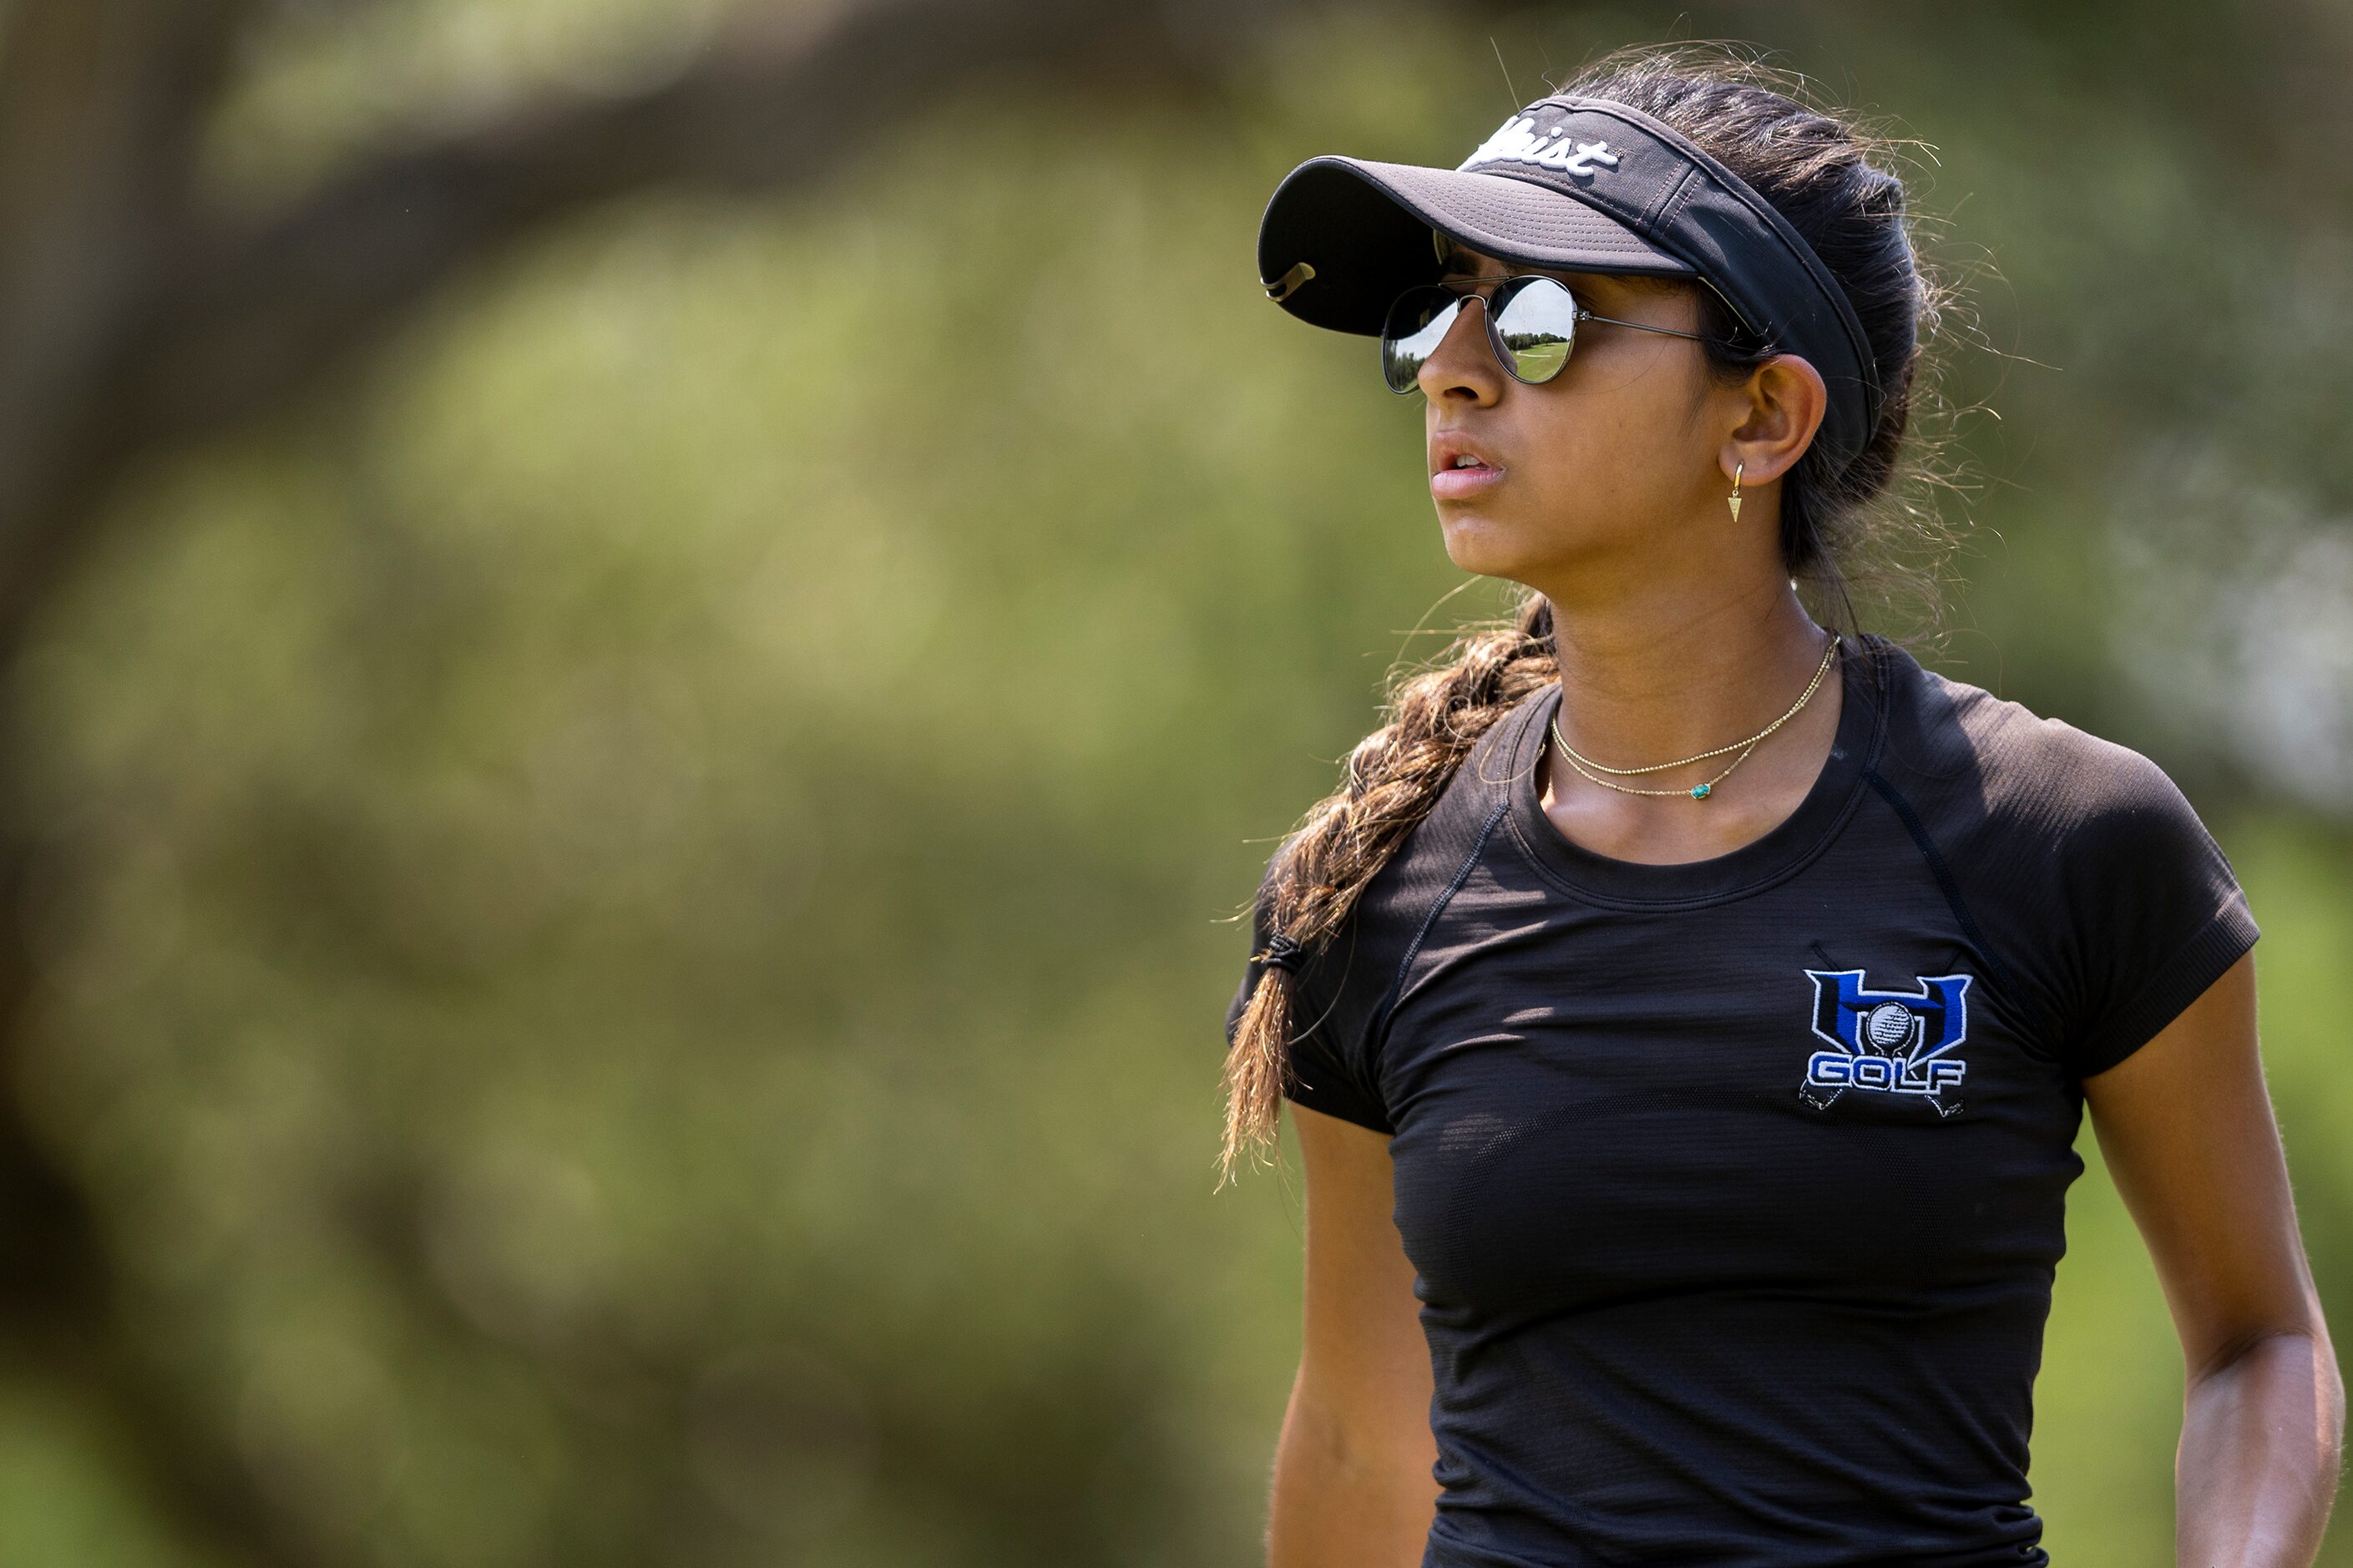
[1519, 141]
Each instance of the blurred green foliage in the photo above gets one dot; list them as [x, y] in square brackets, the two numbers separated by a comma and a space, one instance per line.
[634, 909]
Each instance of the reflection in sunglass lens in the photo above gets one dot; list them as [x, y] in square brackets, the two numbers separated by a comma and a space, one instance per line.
[1417, 325]
[1537, 321]
[1533, 323]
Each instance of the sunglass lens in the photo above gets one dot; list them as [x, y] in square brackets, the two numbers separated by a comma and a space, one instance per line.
[1417, 325]
[1537, 323]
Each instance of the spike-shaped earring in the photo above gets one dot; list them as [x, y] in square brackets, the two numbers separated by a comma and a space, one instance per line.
[1733, 500]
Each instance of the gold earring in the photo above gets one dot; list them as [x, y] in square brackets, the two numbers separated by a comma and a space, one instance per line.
[1733, 499]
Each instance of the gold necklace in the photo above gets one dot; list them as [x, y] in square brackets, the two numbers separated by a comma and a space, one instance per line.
[1590, 770]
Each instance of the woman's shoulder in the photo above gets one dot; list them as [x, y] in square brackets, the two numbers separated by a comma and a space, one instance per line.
[1993, 764]
[1357, 959]
[2094, 883]
[1454, 816]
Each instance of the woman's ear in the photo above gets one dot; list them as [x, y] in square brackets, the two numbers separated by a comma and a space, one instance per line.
[1785, 399]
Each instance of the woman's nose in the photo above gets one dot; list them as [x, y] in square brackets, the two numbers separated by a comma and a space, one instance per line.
[1463, 367]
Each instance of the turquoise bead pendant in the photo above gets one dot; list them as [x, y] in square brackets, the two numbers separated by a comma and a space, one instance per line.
[1700, 792]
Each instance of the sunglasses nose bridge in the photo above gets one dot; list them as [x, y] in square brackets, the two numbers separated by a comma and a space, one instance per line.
[1487, 328]
[1463, 304]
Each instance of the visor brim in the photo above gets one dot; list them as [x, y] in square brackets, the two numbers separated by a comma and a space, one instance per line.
[1363, 227]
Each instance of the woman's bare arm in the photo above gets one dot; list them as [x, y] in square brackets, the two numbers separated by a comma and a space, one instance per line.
[2185, 1127]
[1352, 1472]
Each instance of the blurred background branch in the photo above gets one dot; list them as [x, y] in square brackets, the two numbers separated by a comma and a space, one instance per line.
[135, 314]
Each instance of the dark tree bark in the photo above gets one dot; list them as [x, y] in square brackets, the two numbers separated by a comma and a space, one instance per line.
[136, 317]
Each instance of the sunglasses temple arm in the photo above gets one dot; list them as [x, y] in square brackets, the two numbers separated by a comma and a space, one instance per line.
[1647, 327]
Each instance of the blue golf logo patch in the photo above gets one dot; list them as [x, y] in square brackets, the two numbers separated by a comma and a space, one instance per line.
[1888, 1042]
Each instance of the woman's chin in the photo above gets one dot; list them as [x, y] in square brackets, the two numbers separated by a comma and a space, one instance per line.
[1483, 544]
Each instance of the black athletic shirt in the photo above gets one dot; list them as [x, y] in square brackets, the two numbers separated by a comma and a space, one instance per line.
[1734, 1188]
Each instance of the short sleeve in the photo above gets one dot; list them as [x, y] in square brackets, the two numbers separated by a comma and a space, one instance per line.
[1325, 1072]
[2156, 912]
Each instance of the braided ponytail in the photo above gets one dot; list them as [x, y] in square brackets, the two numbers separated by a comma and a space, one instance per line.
[1394, 777]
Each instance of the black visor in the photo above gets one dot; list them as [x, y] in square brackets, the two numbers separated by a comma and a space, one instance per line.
[1570, 184]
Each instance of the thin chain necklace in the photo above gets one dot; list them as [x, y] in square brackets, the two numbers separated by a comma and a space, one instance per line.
[1591, 770]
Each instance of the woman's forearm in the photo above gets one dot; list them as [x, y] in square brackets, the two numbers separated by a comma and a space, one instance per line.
[1346, 1494]
[2262, 1437]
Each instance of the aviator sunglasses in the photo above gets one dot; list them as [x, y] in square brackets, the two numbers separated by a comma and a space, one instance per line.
[1531, 325]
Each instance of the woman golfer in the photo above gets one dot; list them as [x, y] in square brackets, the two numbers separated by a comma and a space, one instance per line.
[1689, 1010]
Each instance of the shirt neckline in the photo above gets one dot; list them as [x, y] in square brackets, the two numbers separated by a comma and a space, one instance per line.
[1781, 850]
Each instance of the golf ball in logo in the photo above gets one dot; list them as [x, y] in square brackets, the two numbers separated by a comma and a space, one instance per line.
[1888, 1025]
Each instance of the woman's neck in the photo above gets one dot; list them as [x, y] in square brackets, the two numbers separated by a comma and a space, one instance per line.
[1651, 677]
[1648, 678]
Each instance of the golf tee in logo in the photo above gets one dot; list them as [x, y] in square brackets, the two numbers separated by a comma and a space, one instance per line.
[1887, 1042]
[1519, 141]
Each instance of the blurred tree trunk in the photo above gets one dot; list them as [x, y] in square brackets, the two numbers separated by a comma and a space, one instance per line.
[137, 318]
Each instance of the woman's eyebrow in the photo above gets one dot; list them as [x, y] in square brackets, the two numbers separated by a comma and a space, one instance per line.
[1457, 259]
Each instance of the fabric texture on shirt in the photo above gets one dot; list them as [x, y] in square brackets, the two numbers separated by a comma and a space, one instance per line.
[1734, 1189]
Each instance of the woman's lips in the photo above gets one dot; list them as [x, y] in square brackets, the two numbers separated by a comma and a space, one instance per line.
[1460, 484]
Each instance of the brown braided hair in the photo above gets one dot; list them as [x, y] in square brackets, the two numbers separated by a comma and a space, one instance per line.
[1815, 165]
